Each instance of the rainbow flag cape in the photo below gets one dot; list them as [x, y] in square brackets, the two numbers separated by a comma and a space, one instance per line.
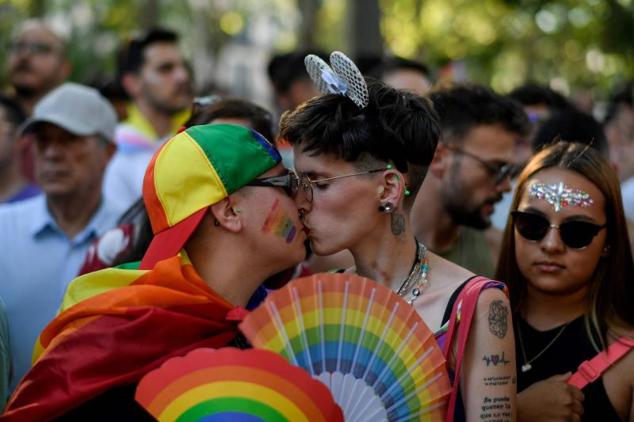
[115, 326]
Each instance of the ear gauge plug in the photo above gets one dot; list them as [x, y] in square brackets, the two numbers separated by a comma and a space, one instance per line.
[386, 208]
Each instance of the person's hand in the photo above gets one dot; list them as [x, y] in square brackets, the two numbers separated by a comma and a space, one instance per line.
[551, 400]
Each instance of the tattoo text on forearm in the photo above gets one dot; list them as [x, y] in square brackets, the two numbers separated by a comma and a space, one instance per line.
[498, 381]
[496, 409]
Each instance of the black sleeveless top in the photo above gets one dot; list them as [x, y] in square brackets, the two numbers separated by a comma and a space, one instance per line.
[565, 354]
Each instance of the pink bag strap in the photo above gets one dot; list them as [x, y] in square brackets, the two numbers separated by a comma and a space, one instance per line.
[591, 370]
[461, 318]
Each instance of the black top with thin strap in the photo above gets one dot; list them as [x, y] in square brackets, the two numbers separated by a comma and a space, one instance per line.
[564, 355]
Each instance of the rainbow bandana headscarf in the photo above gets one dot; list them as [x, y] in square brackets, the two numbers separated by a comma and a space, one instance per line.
[195, 169]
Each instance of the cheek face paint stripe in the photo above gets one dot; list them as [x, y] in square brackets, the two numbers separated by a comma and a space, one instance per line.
[279, 224]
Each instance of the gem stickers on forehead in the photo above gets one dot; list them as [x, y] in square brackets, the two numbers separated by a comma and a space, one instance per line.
[560, 196]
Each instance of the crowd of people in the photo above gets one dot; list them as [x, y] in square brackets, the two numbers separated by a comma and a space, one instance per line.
[139, 222]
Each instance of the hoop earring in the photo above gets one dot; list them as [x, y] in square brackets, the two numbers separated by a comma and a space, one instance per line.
[386, 208]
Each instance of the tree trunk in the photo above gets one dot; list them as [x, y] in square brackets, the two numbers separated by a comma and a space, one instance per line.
[149, 14]
[308, 10]
[37, 8]
[364, 30]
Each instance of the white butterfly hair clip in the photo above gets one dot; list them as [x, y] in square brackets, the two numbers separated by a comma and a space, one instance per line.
[341, 77]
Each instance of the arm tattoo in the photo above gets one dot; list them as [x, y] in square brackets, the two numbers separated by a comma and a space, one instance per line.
[496, 409]
[495, 360]
[397, 223]
[496, 381]
[498, 318]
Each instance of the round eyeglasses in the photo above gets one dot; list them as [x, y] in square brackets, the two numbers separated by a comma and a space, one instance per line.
[306, 184]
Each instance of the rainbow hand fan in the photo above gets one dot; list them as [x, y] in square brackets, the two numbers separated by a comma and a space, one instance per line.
[371, 349]
[234, 385]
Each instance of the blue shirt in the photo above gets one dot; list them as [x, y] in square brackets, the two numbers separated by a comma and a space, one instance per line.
[26, 192]
[37, 261]
[5, 354]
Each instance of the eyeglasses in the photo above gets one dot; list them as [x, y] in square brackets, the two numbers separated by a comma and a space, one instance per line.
[34, 48]
[498, 169]
[306, 184]
[289, 182]
[574, 234]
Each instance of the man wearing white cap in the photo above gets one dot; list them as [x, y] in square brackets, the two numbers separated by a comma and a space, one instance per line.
[44, 239]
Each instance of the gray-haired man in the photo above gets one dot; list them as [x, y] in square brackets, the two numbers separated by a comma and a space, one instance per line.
[44, 239]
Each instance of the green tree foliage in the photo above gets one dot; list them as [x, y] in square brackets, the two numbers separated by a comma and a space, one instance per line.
[567, 43]
[584, 44]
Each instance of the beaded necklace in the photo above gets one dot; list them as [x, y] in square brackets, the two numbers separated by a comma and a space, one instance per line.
[416, 282]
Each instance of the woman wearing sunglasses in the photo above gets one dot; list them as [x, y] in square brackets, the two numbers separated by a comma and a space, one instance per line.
[566, 258]
[360, 161]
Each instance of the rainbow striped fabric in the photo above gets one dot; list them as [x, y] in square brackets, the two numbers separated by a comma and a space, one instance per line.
[110, 335]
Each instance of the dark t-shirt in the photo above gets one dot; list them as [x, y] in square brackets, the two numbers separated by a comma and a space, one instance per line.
[471, 251]
[565, 354]
[118, 404]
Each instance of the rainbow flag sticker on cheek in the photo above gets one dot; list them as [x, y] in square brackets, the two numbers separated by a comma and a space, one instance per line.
[234, 385]
[280, 224]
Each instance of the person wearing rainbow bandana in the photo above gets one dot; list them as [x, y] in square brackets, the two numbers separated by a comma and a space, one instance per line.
[222, 212]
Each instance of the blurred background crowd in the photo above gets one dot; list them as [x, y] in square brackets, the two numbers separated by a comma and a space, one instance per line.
[569, 63]
[581, 48]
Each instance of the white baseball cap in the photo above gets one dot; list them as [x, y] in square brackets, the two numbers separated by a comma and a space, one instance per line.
[76, 108]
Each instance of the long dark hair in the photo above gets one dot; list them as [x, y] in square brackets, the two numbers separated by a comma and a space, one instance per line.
[611, 296]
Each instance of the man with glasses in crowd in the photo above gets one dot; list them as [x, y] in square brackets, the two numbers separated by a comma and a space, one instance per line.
[37, 63]
[471, 170]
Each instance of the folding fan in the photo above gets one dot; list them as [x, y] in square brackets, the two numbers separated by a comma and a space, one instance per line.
[371, 349]
[234, 385]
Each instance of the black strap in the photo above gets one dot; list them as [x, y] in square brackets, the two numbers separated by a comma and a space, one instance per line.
[452, 300]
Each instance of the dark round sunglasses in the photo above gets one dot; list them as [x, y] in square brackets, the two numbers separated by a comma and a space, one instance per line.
[574, 234]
